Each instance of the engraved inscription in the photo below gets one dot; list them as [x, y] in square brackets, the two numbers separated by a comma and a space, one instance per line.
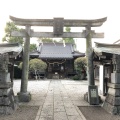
[93, 93]
[58, 26]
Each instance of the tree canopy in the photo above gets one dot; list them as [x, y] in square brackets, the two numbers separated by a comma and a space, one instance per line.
[33, 47]
[80, 66]
[10, 26]
[68, 40]
[80, 63]
[46, 40]
[35, 64]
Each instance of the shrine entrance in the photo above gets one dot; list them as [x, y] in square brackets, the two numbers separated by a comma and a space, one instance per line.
[56, 69]
[58, 25]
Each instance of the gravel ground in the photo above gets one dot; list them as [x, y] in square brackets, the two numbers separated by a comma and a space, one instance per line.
[97, 113]
[22, 113]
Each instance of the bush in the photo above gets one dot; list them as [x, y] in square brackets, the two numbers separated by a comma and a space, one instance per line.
[76, 77]
[80, 67]
[36, 66]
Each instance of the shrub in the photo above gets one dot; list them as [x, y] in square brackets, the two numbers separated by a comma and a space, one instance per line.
[35, 65]
[76, 77]
[80, 67]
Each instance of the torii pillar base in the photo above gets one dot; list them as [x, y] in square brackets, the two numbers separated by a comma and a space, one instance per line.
[92, 96]
[24, 97]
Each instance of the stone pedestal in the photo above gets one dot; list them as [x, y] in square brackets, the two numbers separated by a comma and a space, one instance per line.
[92, 95]
[8, 102]
[112, 101]
[115, 78]
[4, 77]
[24, 97]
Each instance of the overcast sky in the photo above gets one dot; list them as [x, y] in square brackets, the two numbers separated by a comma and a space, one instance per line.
[69, 9]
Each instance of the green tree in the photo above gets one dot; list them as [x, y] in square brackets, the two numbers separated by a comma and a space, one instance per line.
[80, 67]
[10, 26]
[68, 40]
[46, 40]
[33, 47]
[35, 65]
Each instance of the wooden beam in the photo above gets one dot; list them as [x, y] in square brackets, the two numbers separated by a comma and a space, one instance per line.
[51, 35]
[67, 22]
[107, 61]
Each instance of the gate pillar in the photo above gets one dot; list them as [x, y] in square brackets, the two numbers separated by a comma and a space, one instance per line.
[92, 95]
[25, 96]
[89, 56]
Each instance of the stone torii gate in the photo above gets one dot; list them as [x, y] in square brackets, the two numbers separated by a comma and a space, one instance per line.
[58, 24]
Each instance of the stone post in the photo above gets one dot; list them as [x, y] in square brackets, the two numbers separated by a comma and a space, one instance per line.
[25, 96]
[112, 101]
[89, 56]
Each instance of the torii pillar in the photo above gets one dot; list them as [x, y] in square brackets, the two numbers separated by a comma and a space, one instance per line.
[89, 56]
[58, 24]
[92, 95]
[24, 95]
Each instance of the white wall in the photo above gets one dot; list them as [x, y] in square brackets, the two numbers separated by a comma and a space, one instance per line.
[101, 80]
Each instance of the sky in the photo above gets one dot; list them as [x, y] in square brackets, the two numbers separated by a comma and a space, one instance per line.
[69, 9]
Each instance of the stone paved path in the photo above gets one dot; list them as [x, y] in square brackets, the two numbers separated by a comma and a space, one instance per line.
[57, 99]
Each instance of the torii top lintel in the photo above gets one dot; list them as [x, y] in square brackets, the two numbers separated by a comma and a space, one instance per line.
[66, 22]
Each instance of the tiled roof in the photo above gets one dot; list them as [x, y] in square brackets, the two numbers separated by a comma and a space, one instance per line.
[56, 51]
[15, 48]
[107, 48]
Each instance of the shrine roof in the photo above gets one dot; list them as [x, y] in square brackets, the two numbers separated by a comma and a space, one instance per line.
[13, 48]
[101, 48]
[56, 51]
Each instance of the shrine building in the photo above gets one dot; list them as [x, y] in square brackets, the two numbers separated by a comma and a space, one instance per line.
[59, 58]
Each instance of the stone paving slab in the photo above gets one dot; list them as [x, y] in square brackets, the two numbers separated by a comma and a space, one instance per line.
[54, 98]
[59, 108]
[60, 116]
[99, 113]
[74, 117]
[57, 99]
